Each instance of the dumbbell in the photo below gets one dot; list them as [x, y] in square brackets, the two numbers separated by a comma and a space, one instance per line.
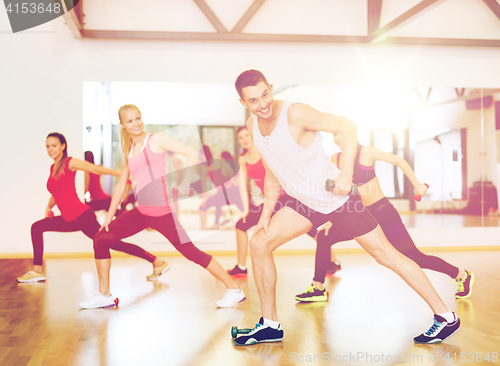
[330, 184]
[175, 191]
[418, 197]
[235, 331]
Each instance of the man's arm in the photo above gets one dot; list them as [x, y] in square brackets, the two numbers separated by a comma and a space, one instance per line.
[307, 118]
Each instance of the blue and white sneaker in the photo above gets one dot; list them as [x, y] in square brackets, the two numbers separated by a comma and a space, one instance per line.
[439, 331]
[262, 333]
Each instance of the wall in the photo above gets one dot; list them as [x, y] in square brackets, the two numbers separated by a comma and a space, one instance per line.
[42, 72]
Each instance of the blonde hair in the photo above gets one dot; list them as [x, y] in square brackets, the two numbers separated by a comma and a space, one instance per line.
[125, 139]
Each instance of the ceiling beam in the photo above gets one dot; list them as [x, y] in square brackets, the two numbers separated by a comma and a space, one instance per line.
[463, 42]
[234, 37]
[72, 20]
[405, 18]
[247, 16]
[211, 16]
[374, 11]
[292, 38]
[494, 7]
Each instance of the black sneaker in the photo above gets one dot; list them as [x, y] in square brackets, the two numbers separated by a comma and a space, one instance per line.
[262, 333]
[465, 286]
[333, 268]
[439, 331]
[312, 293]
[237, 271]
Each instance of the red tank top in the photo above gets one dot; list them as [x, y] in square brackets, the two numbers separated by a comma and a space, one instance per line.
[257, 172]
[148, 169]
[64, 192]
[95, 189]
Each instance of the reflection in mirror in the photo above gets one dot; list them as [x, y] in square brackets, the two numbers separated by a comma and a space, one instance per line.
[448, 135]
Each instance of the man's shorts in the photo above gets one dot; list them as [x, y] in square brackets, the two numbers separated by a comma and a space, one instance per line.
[352, 219]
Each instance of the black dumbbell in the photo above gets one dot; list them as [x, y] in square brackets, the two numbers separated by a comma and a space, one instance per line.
[235, 331]
[330, 184]
[175, 191]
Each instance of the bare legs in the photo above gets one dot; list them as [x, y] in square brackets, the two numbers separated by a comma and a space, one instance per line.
[242, 246]
[284, 226]
[218, 272]
[287, 224]
[377, 245]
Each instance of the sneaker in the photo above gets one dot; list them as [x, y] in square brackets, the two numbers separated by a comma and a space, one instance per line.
[31, 276]
[439, 331]
[237, 271]
[99, 301]
[312, 293]
[260, 334]
[158, 271]
[231, 298]
[333, 268]
[465, 286]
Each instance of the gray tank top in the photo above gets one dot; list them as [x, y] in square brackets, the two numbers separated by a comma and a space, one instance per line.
[301, 171]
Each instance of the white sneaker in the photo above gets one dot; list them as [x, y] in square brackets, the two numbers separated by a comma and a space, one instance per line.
[99, 301]
[231, 298]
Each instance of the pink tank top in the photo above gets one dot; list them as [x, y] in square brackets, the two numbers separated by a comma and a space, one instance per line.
[151, 191]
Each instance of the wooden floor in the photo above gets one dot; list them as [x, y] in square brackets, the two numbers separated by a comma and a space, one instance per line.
[371, 313]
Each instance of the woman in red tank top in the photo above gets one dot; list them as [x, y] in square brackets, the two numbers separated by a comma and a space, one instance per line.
[75, 216]
[144, 157]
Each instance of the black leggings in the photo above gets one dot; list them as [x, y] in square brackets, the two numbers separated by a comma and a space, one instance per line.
[85, 223]
[97, 205]
[131, 222]
[395, 231]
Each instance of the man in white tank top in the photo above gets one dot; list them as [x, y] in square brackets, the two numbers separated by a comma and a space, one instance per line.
[286, 135]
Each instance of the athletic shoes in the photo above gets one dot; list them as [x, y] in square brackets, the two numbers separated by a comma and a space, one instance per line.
[312, 293]
[439, 331]
[99, 301]
[260, 334]
[465, 286]
[237, 271]
[158, 271]
[231, 298]
[333, 268]
[31, 276]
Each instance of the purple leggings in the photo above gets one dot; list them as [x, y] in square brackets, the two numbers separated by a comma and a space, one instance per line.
[131, 222]
[395, 231]
[86, 223]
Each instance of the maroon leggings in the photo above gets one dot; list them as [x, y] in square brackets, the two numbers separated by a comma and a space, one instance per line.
[86, 223]
[131, 222]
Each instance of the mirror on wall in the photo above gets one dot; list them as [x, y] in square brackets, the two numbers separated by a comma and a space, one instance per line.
[448, 135]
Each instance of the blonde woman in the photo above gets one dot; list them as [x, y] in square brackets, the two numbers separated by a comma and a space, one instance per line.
[144, 158]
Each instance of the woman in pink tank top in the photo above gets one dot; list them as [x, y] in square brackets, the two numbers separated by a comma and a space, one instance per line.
[144, 158]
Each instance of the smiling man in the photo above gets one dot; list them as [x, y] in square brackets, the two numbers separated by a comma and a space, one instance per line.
[287, 137]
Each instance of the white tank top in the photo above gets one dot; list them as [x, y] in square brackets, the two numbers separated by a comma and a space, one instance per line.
[301, 171]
